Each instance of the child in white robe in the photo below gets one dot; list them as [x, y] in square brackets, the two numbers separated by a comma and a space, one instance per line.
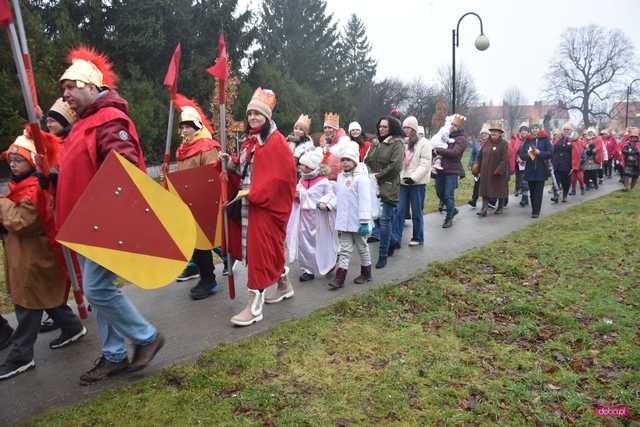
[311, 236]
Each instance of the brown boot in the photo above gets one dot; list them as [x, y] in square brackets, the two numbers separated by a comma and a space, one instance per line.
[252, 312]
[143, 354]
[338, 283]
[283, 291]
[365, 275]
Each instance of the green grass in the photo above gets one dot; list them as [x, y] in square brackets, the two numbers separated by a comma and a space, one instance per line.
[535, 329]
[463, 192]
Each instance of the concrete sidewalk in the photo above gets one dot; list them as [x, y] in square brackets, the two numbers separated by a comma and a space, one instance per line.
[193, 326]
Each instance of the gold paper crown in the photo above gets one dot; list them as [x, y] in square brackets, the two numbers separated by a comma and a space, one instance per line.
[263, 101]
[332, 120]
[304, 122]
[533, 121]
[634, 132]
[496, 125]
[458, 119]
[61, 107]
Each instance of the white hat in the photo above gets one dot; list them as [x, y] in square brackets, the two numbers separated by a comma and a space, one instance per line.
[350, 152]
[312, 159]
[410, 122]
[354, 126]
[421, 130]
[485, 129]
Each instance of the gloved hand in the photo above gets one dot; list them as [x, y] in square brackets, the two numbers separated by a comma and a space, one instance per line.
[43, 181]
[322, 206]
[409, 181]
[363, 230]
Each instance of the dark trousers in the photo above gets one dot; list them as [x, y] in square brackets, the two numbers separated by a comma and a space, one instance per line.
[476, 190]
[521, 185]
[204, 261]
[3, 322]
[564, 181]
[536, 190]
[591, 177]
[387, 216]
[25, 335]
[446, 189]
[608, 167]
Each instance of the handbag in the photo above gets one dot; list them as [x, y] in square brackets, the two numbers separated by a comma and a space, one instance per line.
[234, 209]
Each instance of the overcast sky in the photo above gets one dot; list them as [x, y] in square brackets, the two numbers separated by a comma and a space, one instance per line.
[412, 38]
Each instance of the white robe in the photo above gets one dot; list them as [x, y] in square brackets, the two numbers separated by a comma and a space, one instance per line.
[311, 235]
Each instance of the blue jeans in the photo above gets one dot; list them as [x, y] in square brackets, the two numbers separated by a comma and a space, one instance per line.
[387, 215]
[446, 189]
[116, 317]
[410, 195]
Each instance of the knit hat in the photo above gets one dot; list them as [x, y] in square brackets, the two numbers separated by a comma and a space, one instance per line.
[485, 129]
[534, 123]
[312, 159]
[410, 122]
[62, 113]
[592, 130]
[421, 130]
[263, 101]
[634, 132]
[523, 125]
[350, 152]
[332, 120]
[24, 147]
[303, 122]
[354, 126]
[89, 67]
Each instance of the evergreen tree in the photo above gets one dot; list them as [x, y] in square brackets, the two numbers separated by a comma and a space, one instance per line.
[359, 67]
[299, 38]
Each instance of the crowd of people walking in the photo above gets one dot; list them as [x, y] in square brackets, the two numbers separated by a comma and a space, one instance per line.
[296, 200]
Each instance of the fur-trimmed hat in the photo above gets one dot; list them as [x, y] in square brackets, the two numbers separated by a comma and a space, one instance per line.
[458, 120]
[312, 159]
[263, 101]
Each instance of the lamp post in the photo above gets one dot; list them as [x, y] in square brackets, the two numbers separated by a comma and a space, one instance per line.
[626, 114]
[482, 43]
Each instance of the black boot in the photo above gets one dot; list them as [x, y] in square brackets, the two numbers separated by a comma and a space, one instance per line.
[365, 275]
[382, 262]
[204, 288]
[338, 283]
[5, 334]
[448, 222]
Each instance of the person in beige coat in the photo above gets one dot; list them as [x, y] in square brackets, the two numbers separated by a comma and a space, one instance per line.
[34, 274]
[414, 176]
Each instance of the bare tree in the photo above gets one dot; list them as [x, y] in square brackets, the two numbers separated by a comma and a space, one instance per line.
[466, 92]
[422, 103]
[587, 70]
[512, 110]
[379, 98]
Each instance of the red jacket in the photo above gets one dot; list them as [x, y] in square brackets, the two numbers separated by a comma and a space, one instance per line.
[103, 126]
[273, 184]
[576, 154]
[514, 146]
[599, 146]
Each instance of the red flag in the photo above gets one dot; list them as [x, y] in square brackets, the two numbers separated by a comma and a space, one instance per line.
[5, 13]
[220, 69]
[171, 79]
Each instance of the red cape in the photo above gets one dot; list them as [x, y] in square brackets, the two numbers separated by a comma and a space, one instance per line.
[273, 184]
[198, 146]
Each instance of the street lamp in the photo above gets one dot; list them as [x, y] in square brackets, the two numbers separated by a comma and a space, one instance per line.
[626, 114]
[482, 43]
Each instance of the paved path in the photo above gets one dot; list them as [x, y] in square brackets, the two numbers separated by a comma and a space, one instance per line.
[193, 326]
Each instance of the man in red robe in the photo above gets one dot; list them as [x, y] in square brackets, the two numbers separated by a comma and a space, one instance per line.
[265, 181]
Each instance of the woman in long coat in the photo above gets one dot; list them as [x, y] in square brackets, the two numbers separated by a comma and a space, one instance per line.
[492, 164]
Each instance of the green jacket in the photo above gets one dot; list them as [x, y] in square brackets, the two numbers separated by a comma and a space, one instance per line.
[385, 160]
